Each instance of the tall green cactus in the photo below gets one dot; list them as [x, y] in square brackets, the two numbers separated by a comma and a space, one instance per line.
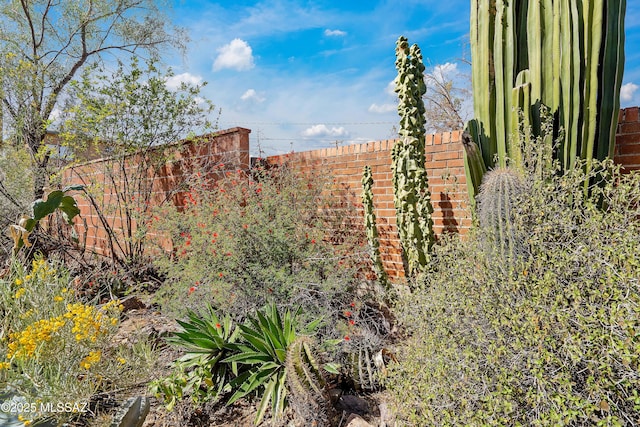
[412, 198]
[370, 226]
[567, 55]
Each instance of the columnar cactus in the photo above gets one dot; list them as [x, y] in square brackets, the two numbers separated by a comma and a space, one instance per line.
[567, 55]
[370, 226]
[412, 198]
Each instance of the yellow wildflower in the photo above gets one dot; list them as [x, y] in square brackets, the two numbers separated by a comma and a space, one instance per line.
[91, 359]
[27, 277]
[7, 365]
[58, 298]
[122, 360]
[18, 282]
[19, 293]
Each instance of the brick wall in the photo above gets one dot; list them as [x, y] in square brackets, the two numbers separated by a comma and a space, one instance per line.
[628, 139]
[444, 163]
[447, 182]
[105, 179]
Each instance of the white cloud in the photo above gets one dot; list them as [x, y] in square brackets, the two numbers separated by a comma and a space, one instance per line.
[236, 55]
[391, 88]
[383, 108]
[174, 82]
[252, 95]
[444, 71]
[323, 131]
[627, 91]
[334, 33]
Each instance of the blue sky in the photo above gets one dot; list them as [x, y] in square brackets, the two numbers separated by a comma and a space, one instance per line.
[305, 75]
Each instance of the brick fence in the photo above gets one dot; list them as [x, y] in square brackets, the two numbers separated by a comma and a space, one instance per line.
[167, 171]
[628, 139]
[444, 164]
[447, 182]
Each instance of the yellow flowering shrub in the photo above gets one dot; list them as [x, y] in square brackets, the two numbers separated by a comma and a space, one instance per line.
[53, 346]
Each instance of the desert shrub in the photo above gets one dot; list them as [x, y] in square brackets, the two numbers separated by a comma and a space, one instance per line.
[549, 337]
[55, 348]
[275, 235]
[16, 191]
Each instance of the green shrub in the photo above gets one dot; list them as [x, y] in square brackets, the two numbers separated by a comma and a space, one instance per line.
[551, 339]
[246, 240]
[16, 191]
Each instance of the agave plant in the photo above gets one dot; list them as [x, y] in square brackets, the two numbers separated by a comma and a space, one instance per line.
[201, 372]
[263, 346]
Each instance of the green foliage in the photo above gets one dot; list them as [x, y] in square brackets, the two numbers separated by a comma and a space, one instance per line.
[57, 200]
[563, 56]
[370, 226]
[412, 198]
[134, 118]
[43, 45]
[16, 188]
[265, 356]
[548, 340]
[244, 240]
[201, 372]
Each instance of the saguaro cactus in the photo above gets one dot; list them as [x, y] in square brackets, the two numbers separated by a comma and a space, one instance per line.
[567, 55]
[412, 198]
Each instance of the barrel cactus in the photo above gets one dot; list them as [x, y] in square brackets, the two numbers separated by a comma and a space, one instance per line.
[499, 193]
[306, 383]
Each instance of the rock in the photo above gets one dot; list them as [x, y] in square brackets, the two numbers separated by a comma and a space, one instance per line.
[132, 303]
[387, 418]
[132, 413]
[352, 405]
[357, 421]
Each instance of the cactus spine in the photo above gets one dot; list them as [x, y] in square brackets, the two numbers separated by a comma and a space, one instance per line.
[412, 198]
[567, 55]
[499, 193]
[306, 384]
[370, 226]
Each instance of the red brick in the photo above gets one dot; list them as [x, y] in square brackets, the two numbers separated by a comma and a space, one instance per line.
[626, 128]
[629, 114]
[627, 139]
[629, 160]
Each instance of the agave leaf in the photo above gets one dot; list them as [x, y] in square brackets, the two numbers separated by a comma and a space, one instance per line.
[255, 380]
[249, 358]
[266, 397]
[258, 342]
[280, 394]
